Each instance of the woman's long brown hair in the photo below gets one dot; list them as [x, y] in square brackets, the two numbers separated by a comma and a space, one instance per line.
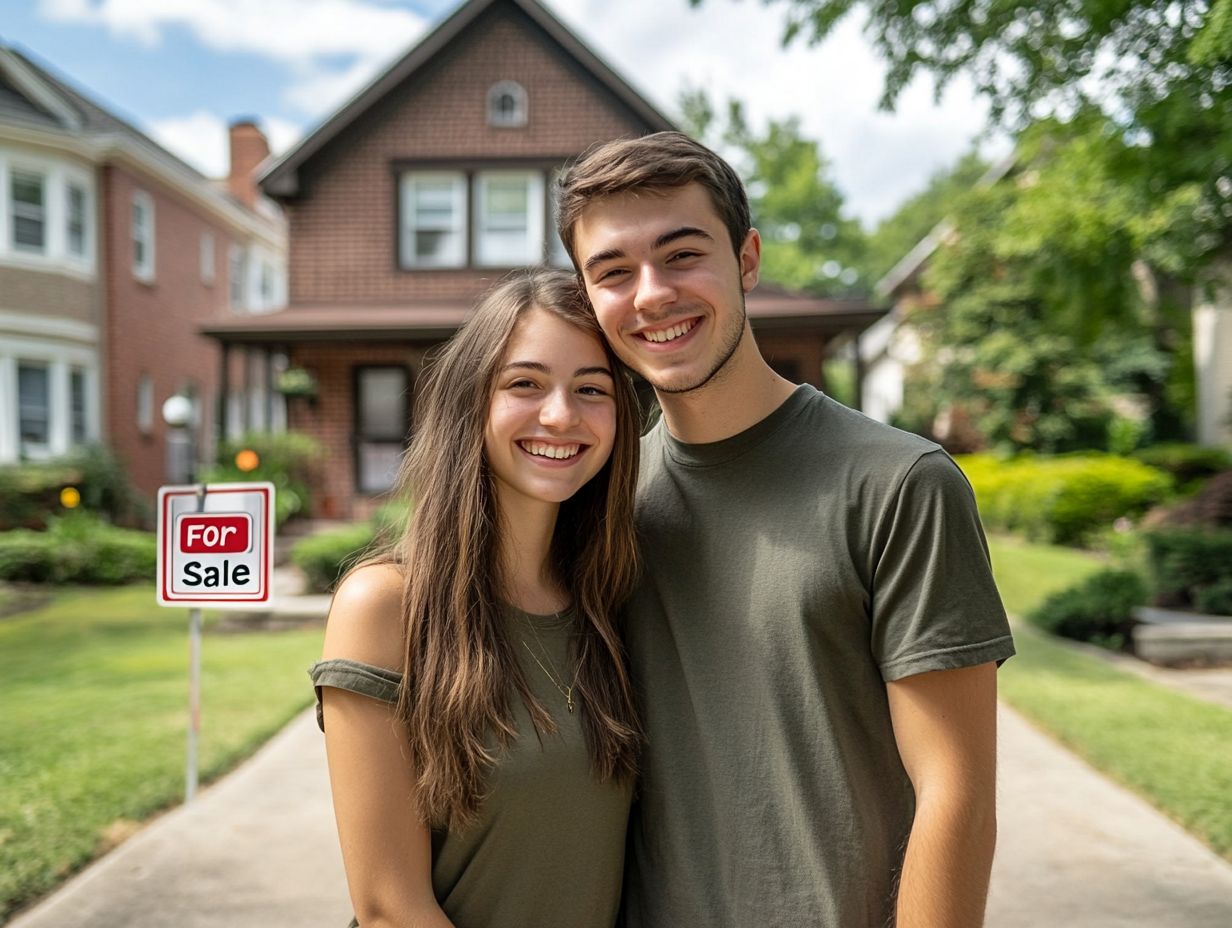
[461, 670]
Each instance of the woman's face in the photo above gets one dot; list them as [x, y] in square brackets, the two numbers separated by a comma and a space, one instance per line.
[552, 416]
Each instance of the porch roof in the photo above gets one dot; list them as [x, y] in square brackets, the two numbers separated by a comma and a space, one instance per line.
[770, 309]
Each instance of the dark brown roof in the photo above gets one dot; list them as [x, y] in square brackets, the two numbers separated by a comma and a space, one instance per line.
[280, 179]
[770, 309]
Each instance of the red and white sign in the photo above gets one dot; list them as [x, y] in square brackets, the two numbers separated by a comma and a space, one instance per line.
[216, 545]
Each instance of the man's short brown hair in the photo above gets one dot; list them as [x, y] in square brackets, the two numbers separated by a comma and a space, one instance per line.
[654, 163]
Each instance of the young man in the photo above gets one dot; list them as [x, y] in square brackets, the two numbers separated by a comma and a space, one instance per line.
[816, 635]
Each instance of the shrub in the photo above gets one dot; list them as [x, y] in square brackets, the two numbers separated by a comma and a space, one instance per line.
[77, 548]
[1063, 500]
[288, 460]
[1210, 507]
[324, 557]
[30, 492]
[1186, 463]
[1215, 599]
[1191, 567]
[1098, 610]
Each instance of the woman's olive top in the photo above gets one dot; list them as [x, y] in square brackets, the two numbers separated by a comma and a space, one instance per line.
[547, 850]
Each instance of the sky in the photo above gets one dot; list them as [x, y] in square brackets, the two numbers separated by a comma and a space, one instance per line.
[183, 69]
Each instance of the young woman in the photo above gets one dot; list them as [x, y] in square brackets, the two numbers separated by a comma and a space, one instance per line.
[478, 716]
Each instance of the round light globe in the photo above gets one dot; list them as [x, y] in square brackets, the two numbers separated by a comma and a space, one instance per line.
[177, 411]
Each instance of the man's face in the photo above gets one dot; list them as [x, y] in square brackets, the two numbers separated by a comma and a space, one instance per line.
[665, 285]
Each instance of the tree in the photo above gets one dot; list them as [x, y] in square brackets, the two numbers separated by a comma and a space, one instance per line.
[795, 205]
[1159, 73]
[1042, 335]
[917, 216]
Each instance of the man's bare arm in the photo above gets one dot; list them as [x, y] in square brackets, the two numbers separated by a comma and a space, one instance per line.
[945, 723]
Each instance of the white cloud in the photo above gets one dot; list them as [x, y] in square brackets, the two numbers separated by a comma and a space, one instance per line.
[318, 91]
[201, 139]
[286, 30]
[332, 47]
[733, 49]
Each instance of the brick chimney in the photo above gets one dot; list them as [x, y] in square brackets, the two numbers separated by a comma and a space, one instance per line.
[249, 148]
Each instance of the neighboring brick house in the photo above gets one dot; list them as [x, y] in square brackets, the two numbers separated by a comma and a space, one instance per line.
[432, 183]
[113, 252]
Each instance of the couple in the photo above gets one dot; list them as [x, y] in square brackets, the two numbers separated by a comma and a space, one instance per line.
[805, 721]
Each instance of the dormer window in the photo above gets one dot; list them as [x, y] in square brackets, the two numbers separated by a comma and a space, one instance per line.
[506, 105]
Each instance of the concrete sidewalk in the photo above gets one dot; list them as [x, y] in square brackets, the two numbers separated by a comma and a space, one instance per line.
[259, 849]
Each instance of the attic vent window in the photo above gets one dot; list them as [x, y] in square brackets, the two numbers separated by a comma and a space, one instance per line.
[507, 104]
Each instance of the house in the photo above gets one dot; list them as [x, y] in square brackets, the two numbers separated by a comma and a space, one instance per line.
[888, 348]
[429, 185]
[113, 252]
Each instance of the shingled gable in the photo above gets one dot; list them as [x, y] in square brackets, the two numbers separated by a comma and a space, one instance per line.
[281, 179]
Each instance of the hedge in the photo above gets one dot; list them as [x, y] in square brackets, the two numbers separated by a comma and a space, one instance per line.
[1064, 499]
[1192, 568]
[1099, 609]
[77, 548]
[325, 557]
[30, 492]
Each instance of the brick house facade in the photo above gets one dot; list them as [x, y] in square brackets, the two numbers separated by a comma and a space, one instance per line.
[113, 252]
[431, 185]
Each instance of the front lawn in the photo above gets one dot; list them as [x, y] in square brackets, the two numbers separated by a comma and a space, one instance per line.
[1173, 749]
[94, 689]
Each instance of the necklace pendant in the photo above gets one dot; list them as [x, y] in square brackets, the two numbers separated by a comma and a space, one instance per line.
[569, 702]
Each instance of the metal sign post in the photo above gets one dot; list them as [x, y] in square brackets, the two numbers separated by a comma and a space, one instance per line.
[194, 701]
[215, 548]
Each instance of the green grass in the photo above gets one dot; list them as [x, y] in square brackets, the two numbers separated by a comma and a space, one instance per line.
[94, 689]
[1028, 573]
[1171, 748]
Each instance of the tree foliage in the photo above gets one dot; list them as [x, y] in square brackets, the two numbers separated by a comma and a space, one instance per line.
[797, 208]
[1159, 73]
[1052, 333]
[917, 216]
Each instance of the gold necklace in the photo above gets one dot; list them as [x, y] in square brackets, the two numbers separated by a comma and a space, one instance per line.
[566, 691]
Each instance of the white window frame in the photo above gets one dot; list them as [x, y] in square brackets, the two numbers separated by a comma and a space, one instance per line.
[145, 404]
[487, 254]
[237, 278]
[31, 450]
[84, 254]
[515, 118]
[207, 258]
[412, 223]
[40, 213]
[143, 234]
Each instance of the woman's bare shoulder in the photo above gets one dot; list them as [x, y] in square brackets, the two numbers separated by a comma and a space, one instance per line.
[365, 618]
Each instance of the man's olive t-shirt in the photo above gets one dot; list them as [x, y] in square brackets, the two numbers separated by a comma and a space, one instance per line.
[790, 572]
[547, 849]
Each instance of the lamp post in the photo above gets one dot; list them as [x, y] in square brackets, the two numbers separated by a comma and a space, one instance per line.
[178, 414]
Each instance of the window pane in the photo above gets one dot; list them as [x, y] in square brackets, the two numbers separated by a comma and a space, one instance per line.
[433, 246]
[434, 220]
[507, 204]
[77, 390]
[29, 232]
[510, 219]
[382, 403]
[143, 236]
[34, 403]
[378, 465]
[76, 220]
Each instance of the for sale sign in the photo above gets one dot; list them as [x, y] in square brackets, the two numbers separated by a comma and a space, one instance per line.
[215, 544]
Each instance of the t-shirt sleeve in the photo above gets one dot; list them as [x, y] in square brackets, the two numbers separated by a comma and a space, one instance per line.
[934, 603]
[355, 677]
